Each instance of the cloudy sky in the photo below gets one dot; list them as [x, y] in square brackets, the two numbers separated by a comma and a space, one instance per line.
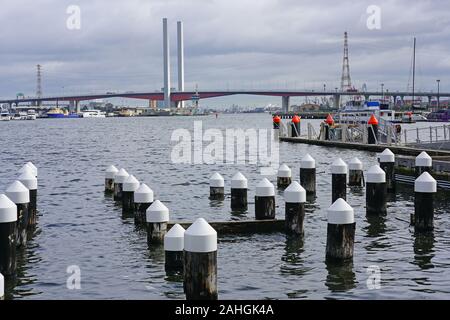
[229, 44]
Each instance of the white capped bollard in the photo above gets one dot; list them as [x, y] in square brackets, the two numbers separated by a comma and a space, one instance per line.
[387, 163]
[308, 174]
[29, 166]
[2, 287]
[295, 198]
[355, 173]
[130, 185]
[157, 216]
[239, 188]
[173, 248]
[376, 191]
[119, 179]
[20, 195]
[423, 163]
[338, 180]
[216, 187]
[29, 180]
[284, 176]
[32, 166]
[8, 232]
[340, 231]
[425, 187]
[265, 200]
[109, 178]
[143, 198]
[200, 261]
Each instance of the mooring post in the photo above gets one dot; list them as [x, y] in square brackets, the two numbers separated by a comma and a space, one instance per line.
[20, 195]
[2, 287]
[143, 198]
[376, 191]
[425, 188]
[29, 180]
[216, 187]
[295, 126]
[308, 174]
[119, 179]
[338, 180]
[265, 200]
[27, 167]
[239, 188]
[8, 231]
[387, 163]
[157, 216]
[372, 130]
[200, 261]
[295, 198]
[355, 173]
[130, 185]
[423, 163]
[109, 178]
[340, 231]
[33, 167]
[284, 177]
[173, 248]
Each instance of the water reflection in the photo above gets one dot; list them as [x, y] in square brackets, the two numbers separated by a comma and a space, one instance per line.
[357, 190]
[424, 250]
[376, 225]
[340, 276]
[292, 256]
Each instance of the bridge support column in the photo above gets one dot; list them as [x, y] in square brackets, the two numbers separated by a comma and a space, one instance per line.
[285, 103]
[337, 99]
[77, 106]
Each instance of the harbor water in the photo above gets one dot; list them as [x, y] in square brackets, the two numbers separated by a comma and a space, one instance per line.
[79, 226]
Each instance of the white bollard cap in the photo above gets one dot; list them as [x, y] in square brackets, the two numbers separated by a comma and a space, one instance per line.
[340, 212]
[32, 166]
[387, 156]
[339, 167]
[26, 167]
[130, 184]
[307, 162]
[121, 176]
[111, 172]
[424, 160]
[239, 181]
[265, 189]
[29, 180]
[2, 286]
[425, 184]
[295, 193]
[355, 164]
[8, 210]
[174, 239]
[157, 212]
[216, 181]
[18, 193]
[284, 171]
[200, 237]
[375, 175]
[143, 194]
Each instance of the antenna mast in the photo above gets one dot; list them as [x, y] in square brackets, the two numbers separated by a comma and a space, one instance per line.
[346, 82]
[39, 84]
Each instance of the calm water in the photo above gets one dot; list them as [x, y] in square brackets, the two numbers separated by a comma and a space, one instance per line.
[79, 226]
